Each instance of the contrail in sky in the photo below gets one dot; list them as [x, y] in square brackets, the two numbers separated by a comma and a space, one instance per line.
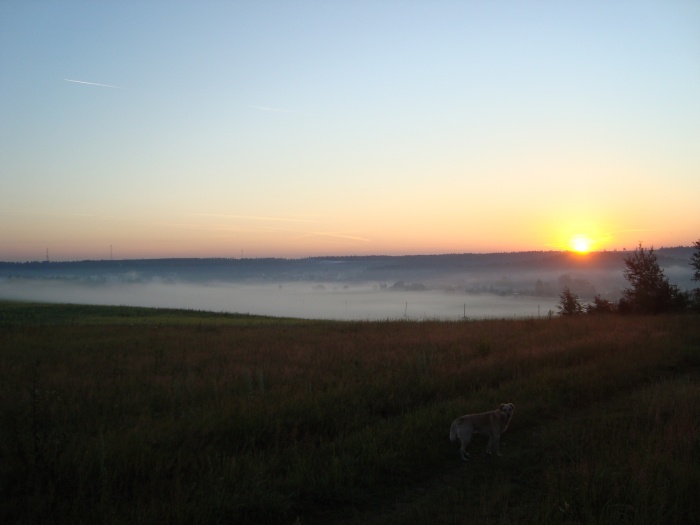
[92, 83]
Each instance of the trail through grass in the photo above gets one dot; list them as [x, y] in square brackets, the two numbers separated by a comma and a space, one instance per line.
[119, 415]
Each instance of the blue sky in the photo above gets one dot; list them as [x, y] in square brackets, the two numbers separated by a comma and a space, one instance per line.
[314, 128]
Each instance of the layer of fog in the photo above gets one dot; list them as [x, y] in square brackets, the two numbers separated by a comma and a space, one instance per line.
[300, 299]
[524, 284]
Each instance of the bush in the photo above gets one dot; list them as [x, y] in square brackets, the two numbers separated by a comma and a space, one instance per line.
[569, 303]
[601, 306]
[650, 291]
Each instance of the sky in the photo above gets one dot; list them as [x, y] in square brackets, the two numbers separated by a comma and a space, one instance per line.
[310, 128]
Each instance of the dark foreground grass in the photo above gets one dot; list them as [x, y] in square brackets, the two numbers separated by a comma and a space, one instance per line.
[119, 415]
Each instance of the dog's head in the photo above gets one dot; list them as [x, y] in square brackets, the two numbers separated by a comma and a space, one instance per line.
[507, 409]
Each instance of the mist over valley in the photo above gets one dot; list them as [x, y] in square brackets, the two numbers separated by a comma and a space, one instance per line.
[521, 284]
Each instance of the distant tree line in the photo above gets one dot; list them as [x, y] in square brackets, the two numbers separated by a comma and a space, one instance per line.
[649, 291]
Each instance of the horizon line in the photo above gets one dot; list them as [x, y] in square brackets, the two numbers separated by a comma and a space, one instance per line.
[444, 254]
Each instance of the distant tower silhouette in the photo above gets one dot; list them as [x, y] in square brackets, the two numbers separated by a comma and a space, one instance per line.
[47, 255]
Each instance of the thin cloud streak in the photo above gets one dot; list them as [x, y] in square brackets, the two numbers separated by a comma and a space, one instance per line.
[92, 83]
[63, 214]
[254, 217]
[337, 235]
[203, 227]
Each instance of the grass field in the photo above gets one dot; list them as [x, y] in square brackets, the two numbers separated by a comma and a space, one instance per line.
[127, 415]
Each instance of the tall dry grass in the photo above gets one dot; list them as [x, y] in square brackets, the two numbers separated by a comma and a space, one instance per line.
[111, 417]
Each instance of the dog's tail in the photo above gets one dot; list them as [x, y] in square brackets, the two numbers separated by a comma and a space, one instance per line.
[453, 430]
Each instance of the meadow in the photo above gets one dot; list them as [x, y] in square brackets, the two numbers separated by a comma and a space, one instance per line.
[132, 415]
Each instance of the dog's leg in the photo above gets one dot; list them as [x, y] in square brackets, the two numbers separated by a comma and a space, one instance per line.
[494, 440]
[465, 436]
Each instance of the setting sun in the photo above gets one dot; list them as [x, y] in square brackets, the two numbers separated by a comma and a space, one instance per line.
[581, 244]
[491, 152]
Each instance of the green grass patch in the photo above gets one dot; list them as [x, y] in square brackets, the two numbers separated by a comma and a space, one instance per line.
[120, 415]
[27, 313]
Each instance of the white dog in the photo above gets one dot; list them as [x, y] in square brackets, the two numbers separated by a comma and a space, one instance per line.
[492, 424]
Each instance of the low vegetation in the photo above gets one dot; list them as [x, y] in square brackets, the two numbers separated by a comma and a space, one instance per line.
[121, 415]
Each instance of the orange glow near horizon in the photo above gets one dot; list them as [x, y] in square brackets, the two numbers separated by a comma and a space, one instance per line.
[73, 236]
[583, 235]
[581, 243]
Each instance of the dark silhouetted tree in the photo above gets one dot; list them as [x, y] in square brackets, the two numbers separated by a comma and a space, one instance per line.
[695, 263]
[601, 306]
[650, 291]
[569, 303]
